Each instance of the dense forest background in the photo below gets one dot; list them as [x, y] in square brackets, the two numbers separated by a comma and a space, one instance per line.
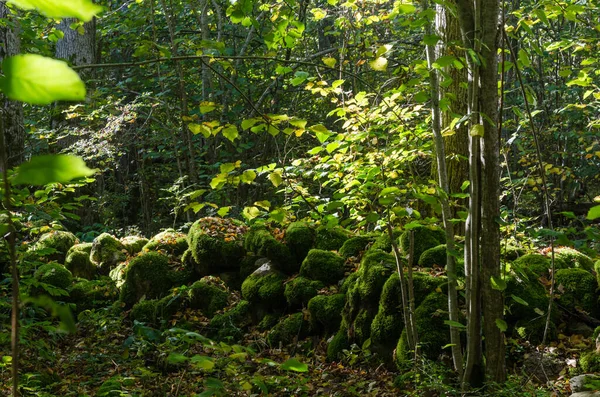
[219, 133]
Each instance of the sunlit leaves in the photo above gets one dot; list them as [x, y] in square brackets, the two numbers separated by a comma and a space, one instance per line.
[39, 80]
[594, 213]
[230, 132]
[275, 178]
[42, 170]
[501, 324]
[84, 10]
[251, 212]
[293, 364]
[379, 64]
[329, 61]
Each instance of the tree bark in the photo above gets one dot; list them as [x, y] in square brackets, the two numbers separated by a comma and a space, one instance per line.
[12, 111]
[77, 46]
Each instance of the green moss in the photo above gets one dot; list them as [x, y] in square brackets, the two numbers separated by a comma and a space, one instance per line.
[249, 264]
[391, 295]
[260, 241]
[147, 275]
[404, 355]
[590, 362]
[118, 274]
[300, 290]
[212, 249]
[170, 242]
[326, 312]
[167, 307]
[511, 253]
[433, 256]
[54, 245]
[573, 258]
[354, 246]
[387, 324]
[429, 319]
[134, 244]
[230, 325]
[519, 289]
[208, 296]
[384, 242]
[107, 252]
[79, 263]
[92, 294]
[288, 329]
[330, 239]
[264, 287]
[338, 344]
[535, 264]
[145, 311]
[577, 288]
[325, 266]
[54, 274]
[269, 321]
[425, 283]
[425, 238]
[348, 282]
[300, 238]
[362, 325]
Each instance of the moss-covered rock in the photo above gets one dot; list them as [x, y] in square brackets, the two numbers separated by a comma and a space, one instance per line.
[425, 283]
[54, 274]
[107, 251]
[249, 264]
[93, 294]
[577, 287]
[433, 256]
[536, 264]
[169, 242]
[384, 242]
[433, 333]
[326, 312]
[79, 263]
[216, 245]
[145, 311]
[338, 344]
[264, 287]
[573, 258]
[300, 238]
[54, 245]
[148, 275]
[324, 266]
[330, 238]
[348, 282]
[230, 325]
[388, 322]
[209, 295]
[300, 290]
[354, 246]
[590, 362]
[269, 321]
[118, 274]
[261, 242]
[425, 238]
[288, 329]
[511, 252]
[134, 244]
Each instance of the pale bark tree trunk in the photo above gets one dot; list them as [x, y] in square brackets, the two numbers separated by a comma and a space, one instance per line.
[12, 111]
[77, 46]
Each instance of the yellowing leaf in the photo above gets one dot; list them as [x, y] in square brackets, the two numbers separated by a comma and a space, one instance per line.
[379, 64]
[80, 9]
[329, 61]
[275, 178]
[250, 213]
[206, 107]
[230, 132]
[39, 80]
[477, 130]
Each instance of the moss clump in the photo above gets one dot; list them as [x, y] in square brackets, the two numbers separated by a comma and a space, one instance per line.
[326, 312]
[264, 286]
[433, 333]
[573, 258]
[590, 362]
[106, 253]
[54, 274]
[384, 242]
[54, 245]
[300, 238]
[168, 306]
[262, 243]
[147, 275]
[425, 283]
[534, 264]
[354, 246]
[375, 268]
[300, 290]
[511, 252]
[134, 244]
[216, 245]
[433, 256]
[249, 264]
[425, 238]
[91, 294]
[324, 266]
[348, 282]
[208, 295]
[387, 324]
[338, 344]
[230, 325]
[118, 274]
[577, 288]
[145, 311]
[330, 239]
[288, 329]
[269, 321]
[79, 263]
[169, 241]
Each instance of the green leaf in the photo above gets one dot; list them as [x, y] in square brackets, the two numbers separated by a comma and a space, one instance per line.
[501, 324]
[278, 215]
[444, 61]
[248, 176]
[594, 213]
[248, 123]
[329, 61]
[431, 39]
[202, 362]
[379, 64]
[265, 204]
[477, 130]
[230, 132]
[275, 178]
[227, 167]
[524, 58]
[42, 170]
[207, 107]
[251, 212]
[176, 358]
[80, 9]
[223, 211]
[39, 80]
[294, 365]
[497, 283]
[321, 132]
[405, 8]
[519, 300]
[454, 324]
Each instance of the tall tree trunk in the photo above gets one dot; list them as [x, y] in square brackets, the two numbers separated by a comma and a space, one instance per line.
[12, 111]
[78, 46]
